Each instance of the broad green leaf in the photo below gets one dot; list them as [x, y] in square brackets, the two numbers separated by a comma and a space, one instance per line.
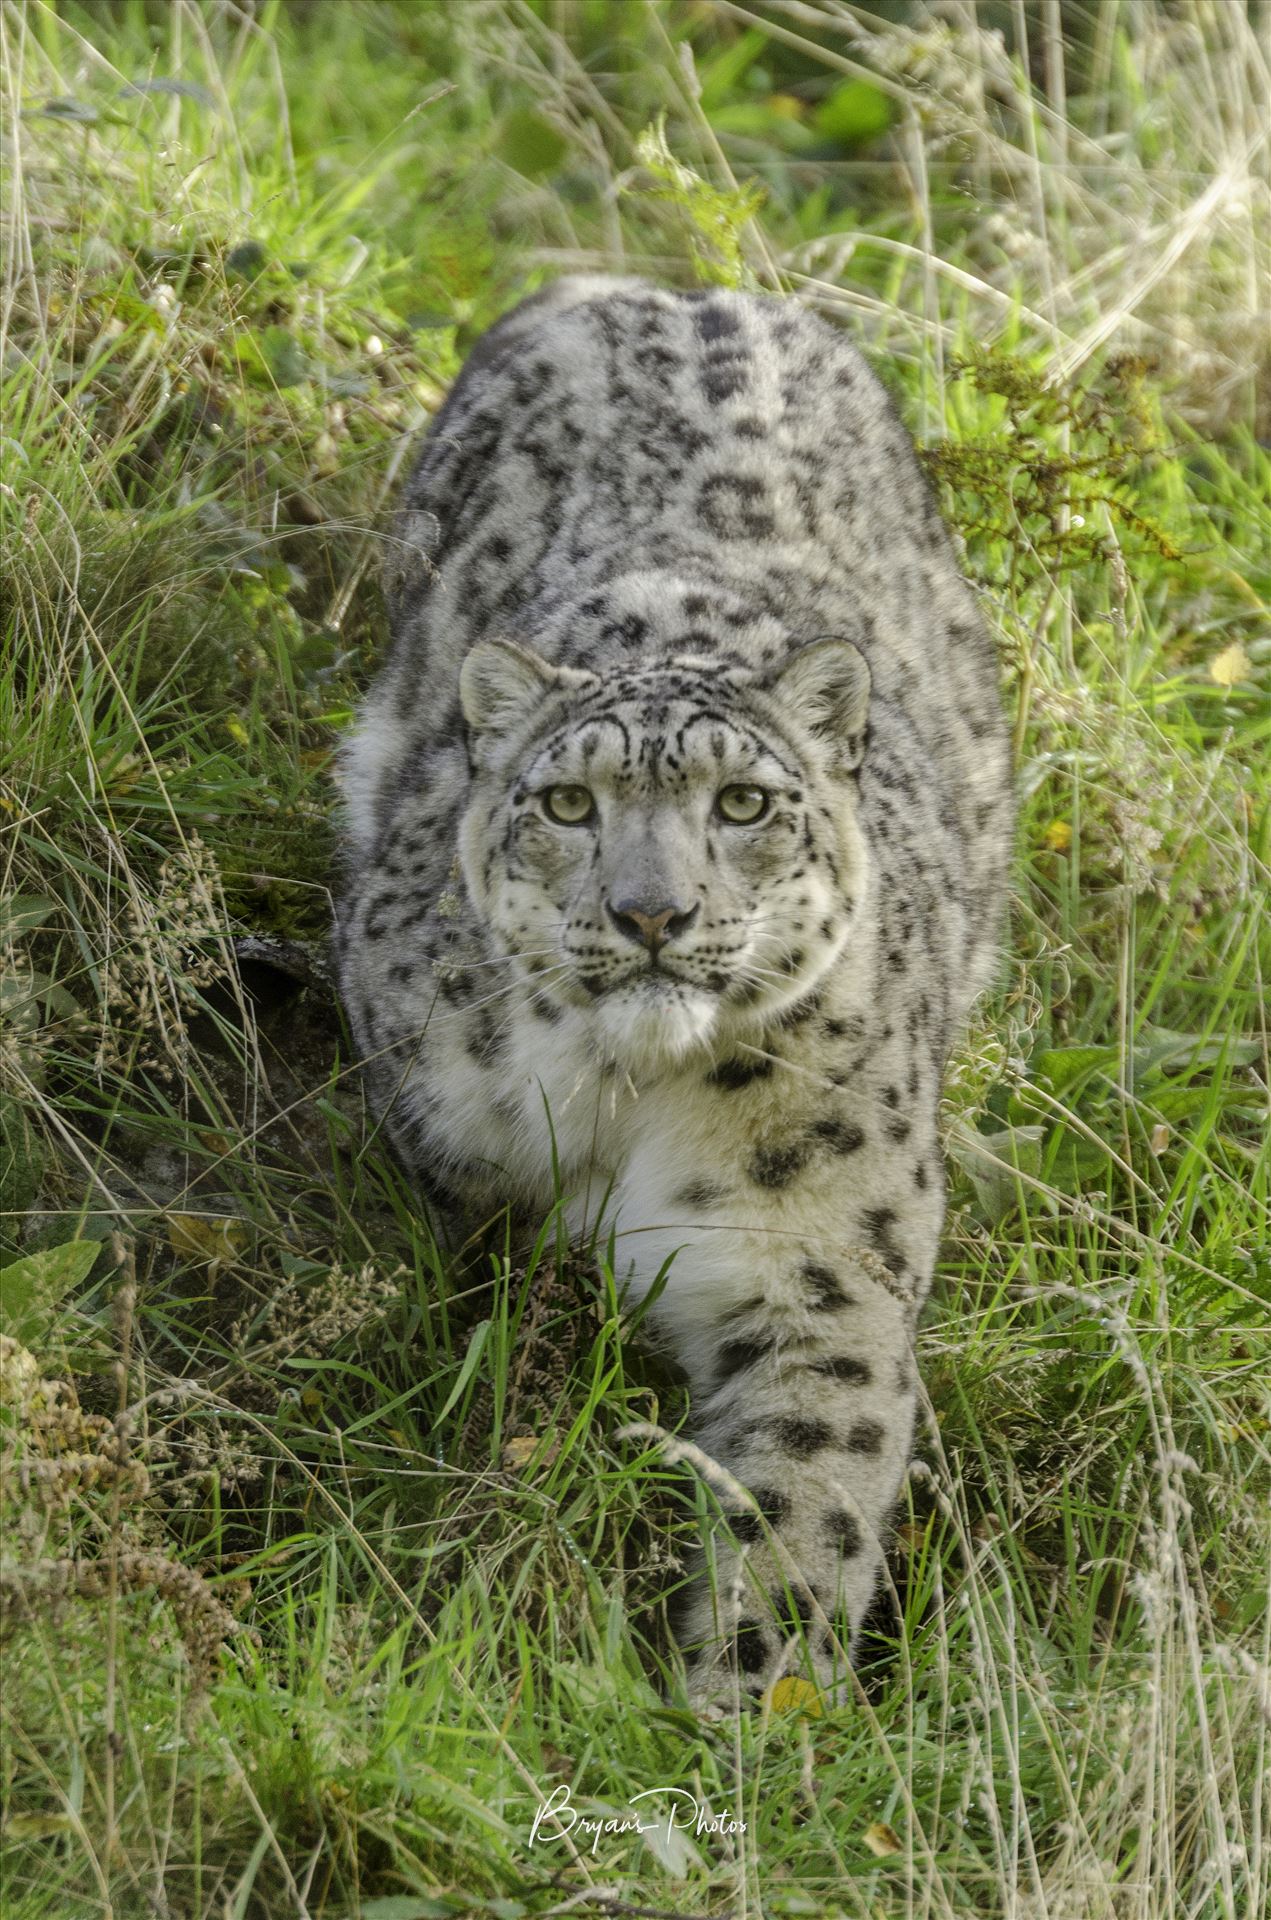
[32, 1286]
[346, 386]
[1159, 1047]
[529, 142]
[760, 120]
[37, 1826]
[988, 1160]
[248, 258]
[20, 996]
[22, 1157]
[853, 113]
[285, 357]
[664, 1838]
[719, 73]
[23, 913]
[1063, 1067]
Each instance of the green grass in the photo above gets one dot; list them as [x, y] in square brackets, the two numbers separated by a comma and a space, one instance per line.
[325, 1561]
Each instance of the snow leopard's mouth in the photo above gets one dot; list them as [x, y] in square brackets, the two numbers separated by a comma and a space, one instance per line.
[659, 977]
[655, 977]
[650, 1018]
[657, 969]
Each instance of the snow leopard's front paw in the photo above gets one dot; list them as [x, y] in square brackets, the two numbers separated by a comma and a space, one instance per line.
[744, 1630]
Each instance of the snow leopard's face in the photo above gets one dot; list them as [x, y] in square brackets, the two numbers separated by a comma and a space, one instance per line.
[674, 849]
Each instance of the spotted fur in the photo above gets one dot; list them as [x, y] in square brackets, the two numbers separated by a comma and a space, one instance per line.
[658, 546]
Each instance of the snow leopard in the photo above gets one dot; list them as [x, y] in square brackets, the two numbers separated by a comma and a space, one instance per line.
[678, 821]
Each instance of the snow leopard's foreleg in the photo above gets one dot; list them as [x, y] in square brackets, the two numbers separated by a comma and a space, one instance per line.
[799, 1351]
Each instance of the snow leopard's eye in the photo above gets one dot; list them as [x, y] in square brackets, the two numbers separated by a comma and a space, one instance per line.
[568, 806]
[742, 805]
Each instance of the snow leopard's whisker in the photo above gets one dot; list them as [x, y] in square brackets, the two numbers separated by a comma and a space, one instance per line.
[475, 1006]
[763, 976]
[513, 986]
[750, 973]
[770, 977]
[449, 1014]
[532, 999]
[457, 966]
[435, 1018]
[502, 1025]
[790, 1066]
[506, 959]
[549, 978]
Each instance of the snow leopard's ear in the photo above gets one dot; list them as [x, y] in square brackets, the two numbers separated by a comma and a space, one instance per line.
[827, 683]
[501, 681]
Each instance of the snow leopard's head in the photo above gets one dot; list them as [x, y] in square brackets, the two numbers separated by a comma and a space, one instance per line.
[675, 846]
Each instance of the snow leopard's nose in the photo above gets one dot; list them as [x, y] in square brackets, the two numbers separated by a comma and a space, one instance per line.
[651, 926]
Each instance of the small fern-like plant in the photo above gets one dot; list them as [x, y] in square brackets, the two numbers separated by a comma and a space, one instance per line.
[1050, 492]
[1058, 471]
[716, 217]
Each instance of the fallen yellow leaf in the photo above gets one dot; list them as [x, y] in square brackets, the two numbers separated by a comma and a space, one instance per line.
[790, 1694]
[213, 1241]
[37, 1826]
[1231, 665]
[124, 774]
[882, 1840]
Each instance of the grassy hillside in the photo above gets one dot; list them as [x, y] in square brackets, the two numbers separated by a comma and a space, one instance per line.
[326, 1567]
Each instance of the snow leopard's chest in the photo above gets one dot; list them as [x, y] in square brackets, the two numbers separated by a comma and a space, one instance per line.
[517, 1100]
